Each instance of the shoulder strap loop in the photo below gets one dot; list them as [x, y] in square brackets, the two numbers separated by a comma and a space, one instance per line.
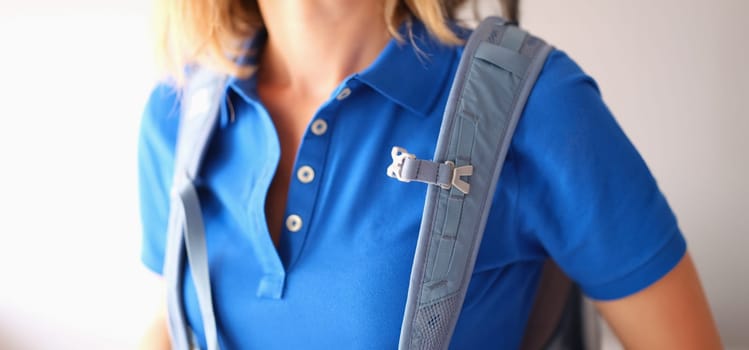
[498, 68]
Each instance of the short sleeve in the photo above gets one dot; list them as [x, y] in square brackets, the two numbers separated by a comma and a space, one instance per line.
[586, 195]
[156, 143]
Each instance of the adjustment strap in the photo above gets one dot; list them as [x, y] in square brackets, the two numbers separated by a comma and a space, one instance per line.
[197, 256]
[407, 168]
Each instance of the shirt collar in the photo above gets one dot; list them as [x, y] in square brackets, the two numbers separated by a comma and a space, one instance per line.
[247, 87]
[411, 73]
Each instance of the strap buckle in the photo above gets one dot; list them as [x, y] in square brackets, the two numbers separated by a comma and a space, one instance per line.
[401, 156]
[395, 169]
[456, 181]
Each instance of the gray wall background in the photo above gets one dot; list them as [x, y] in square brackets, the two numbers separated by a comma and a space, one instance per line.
[675, 73]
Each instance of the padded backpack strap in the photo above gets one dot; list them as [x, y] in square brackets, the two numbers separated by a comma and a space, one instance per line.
[200, 106]
[498, 69]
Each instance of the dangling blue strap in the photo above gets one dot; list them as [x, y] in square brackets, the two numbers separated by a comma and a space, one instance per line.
[185, 234]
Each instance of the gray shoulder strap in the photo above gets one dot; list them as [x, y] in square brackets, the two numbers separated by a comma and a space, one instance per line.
[185, 234]
[498, 69]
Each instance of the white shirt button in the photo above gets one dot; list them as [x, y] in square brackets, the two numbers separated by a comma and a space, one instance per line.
[305, 174]
[319, 127]
[294, 223]
[343, 94]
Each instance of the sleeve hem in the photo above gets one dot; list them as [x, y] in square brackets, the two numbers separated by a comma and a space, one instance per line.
[645, 275]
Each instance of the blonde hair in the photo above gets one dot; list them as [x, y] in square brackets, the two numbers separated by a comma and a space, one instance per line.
[211, 32]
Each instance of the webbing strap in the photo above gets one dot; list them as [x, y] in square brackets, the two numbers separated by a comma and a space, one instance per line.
[433, 173]
[407, 168]
[200, 105]
[197, 256]
[506, 59]
[174, 262]
[499, 67]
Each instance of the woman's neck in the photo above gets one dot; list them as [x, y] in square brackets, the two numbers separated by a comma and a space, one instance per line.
[314, 44]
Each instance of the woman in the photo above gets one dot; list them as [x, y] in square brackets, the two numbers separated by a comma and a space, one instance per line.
[294, 176]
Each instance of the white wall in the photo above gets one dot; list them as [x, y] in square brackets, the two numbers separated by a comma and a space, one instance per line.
[74, 76]
[73, 79]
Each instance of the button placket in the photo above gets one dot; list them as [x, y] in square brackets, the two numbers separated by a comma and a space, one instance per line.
[272, 277]
[309, 168]
[345, 92]
[305, 174]
[293, 223]
[319, 127]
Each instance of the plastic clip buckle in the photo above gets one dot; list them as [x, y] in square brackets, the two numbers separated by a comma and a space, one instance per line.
[395, 169]
[462, 186]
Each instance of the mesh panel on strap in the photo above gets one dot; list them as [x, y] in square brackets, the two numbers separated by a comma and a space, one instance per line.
[433, 324]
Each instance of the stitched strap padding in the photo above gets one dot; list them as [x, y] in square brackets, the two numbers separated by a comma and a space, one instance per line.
[499, 67]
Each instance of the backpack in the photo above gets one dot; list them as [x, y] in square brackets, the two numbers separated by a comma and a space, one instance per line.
[495, 76]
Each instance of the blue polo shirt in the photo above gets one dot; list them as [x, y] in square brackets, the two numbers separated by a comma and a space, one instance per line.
[573, 188]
